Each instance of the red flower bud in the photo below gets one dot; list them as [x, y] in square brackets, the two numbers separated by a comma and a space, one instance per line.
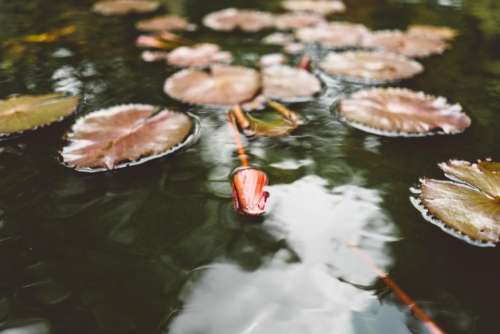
[249, 197]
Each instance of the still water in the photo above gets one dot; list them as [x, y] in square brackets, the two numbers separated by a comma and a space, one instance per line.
[158, 249]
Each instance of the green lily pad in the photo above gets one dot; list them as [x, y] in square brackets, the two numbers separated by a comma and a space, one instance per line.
[23, 113]
[467, 206]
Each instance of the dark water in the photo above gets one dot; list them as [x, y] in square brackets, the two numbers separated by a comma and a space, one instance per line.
[158, 249]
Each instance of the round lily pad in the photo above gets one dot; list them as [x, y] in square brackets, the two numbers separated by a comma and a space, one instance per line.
[468, 205]
[244, 19]
[410, 45]
[333, 35]
[444, 33]
[219, 85]
[398, 112]
[19, 114]
[164, 23]
[297, 20]
[198, 55]
[372, 67]
[126, 135]
[287, 83]
[323, 7]
[124, 7]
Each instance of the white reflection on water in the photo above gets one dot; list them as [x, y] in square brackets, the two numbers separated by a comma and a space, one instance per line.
[306, 296]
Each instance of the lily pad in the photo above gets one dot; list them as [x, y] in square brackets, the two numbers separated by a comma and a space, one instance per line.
[124, 7]
[333, 35]
[410, 45]
[468, 206]
[22, 113]
[244, 19]
[125, 135]
[370, 67]
[164, 23]
[198, 55]
[272, 59]
[323, 7]
[297, 20]
[287, 83]
[398, 112]
[444, 33]
[278, 38]
[219, 85]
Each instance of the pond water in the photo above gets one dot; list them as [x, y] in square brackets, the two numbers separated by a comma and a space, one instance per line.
[158, 248]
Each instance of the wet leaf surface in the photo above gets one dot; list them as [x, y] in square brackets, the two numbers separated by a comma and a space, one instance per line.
[124, 7]
[370, 67]
[129, 134]
[333, 35]
[468, 204]
[23, 113]
[219, 85]
[199, 55]
[289, 83]
[232, 18]
[401, 112]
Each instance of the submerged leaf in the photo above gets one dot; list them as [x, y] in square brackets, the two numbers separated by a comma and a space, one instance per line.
[164, 23]
[370, 67]
[50, 36]
[402, 112]
[323, 7]
[23, 113]
[289, 83]
[198, 55]
[410, 45]
[333, 35]
[469, 205]
[124, 7]
[244, 19]
[125, 135]
[220, 85]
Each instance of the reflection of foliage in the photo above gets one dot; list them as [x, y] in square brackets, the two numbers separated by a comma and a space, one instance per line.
[488, 13]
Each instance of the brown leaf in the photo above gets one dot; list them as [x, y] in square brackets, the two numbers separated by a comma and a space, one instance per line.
[244, 19]
[127, 134]
[289, 83]
[221, 85]
[198, 55]
[402, 112]
[370, 67]
[333, 35]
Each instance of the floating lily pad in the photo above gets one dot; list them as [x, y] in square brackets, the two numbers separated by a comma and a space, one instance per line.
[219, 85]
[198, 55]
[401, 112]
[297, 20]
[333, 35]
[22, 113]
[278, 38]
[125, 135]
[444, 33]
[272, 59]
[289, 83]
[164, 23]
[370, 67]
[323, 7]
[410, 45]
[467, 207]
[124, 7]
[244, 19]
[162, 40]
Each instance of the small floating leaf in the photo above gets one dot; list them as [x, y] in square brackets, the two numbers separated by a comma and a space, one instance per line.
[370, 67]
[50, 36]
[333, 35]
[297, 20]
[470, 204]
[444, 33]
[23, 113]
[125, 135]
[402, 112]
[244, 19]
[164, 23]
[323, 7]
[289, 83]
[410, 45]
[278, 38]
[124, 7]
[198, 55]
[272, 59]
[220, 85]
